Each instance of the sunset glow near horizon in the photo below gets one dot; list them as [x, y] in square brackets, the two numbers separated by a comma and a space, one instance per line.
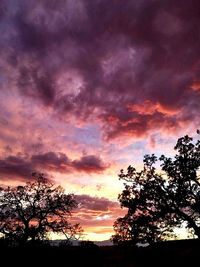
[89, 87]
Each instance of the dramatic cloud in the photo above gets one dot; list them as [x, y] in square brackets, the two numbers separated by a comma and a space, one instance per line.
[96, 58]
[23, 166]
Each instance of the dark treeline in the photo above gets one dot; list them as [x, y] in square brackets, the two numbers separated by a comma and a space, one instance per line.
[169, 253]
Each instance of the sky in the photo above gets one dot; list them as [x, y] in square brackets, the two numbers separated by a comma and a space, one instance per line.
[88, 87]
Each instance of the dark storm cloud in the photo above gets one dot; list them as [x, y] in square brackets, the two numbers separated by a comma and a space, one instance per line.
[124, 52]
[89, 163]
[22, 166]
[15, 167]
[51, 161]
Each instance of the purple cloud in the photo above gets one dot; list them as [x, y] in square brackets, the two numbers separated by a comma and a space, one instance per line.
[21, 167]
[112, 55]
[51, 161]
[89, 163]
[15, 167]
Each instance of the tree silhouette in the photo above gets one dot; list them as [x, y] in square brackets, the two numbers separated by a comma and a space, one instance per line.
[31, 212]
[158, 201]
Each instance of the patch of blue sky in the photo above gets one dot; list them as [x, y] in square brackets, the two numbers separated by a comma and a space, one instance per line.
[89, 135]
[132, 153]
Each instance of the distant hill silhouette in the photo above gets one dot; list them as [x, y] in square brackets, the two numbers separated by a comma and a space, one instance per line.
[56, 242]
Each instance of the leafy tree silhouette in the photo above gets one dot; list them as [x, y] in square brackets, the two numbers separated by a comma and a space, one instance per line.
[159, 201]
[31, 212]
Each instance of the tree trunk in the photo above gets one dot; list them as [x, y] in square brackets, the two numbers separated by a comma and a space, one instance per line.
[197, 231]
[191, 222]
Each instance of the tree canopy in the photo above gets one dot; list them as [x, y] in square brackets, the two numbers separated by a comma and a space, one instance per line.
[32, 211]
[160, 200]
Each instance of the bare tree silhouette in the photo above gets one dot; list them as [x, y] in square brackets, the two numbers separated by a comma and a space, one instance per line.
[32, 211]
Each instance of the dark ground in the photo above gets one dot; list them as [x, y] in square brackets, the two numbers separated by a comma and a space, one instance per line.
[171, 253]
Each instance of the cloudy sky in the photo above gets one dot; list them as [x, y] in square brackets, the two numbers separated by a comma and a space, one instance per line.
[88, 87]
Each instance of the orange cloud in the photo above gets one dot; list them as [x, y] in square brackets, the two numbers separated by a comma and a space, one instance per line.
[196, 87]
[150, 108]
